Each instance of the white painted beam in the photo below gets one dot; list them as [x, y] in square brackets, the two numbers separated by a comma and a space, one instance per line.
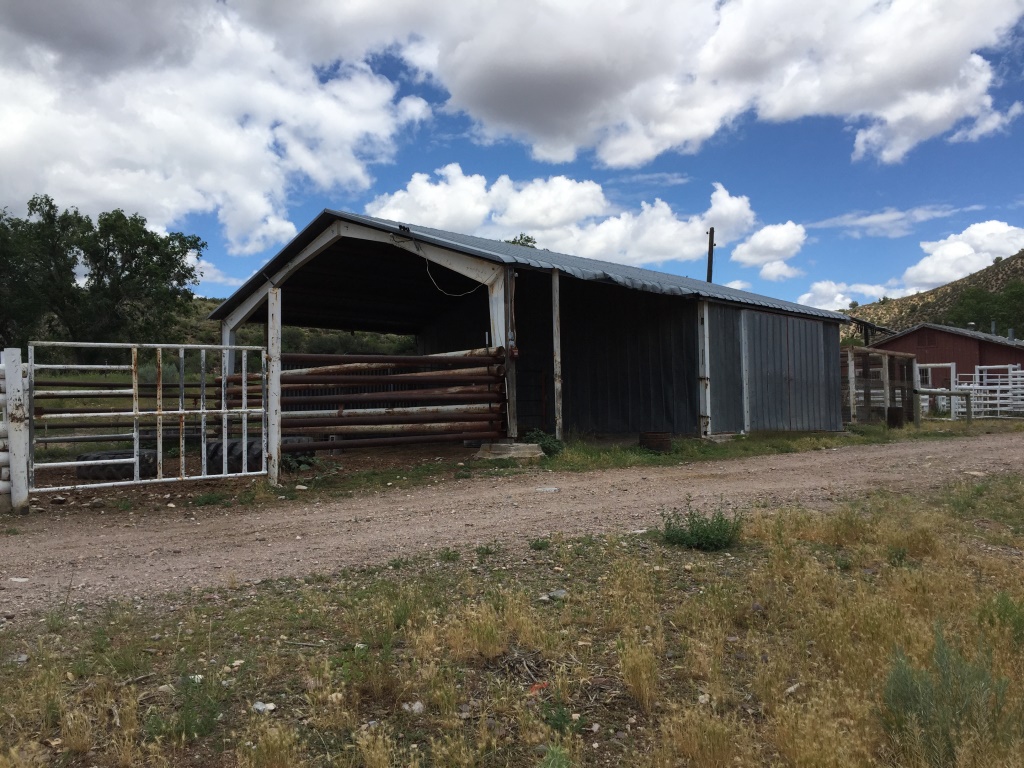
[704, 367]
[273, 404]
[244, 311]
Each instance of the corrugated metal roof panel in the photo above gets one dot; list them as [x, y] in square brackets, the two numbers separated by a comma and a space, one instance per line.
[979, 335]
[506, 253]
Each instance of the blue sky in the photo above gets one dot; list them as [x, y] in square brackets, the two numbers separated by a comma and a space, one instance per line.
[843, 150]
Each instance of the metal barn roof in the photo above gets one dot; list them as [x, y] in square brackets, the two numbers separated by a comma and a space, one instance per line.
[978, 335]
[496, 251]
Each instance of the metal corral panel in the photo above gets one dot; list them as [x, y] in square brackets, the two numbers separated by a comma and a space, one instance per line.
[726, 367]
[793, 374]
[629, 360]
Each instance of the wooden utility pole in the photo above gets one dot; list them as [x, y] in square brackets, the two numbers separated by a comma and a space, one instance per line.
[711, 251]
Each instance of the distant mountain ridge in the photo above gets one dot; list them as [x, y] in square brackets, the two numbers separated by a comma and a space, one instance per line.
[934, 306]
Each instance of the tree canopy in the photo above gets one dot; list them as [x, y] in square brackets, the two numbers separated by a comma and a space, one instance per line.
[523, 239]
[63, 277]
[981, 306]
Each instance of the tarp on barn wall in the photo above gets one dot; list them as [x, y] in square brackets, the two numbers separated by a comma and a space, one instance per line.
[629, 360]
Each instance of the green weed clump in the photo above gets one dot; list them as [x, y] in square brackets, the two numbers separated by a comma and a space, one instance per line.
[937, 715]
[689, 528]
[1004, 611]
[550, 444]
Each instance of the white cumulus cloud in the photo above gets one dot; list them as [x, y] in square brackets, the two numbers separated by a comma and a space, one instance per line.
[946, 260]
[200, 112]
[828, 294]
[565, 215]
[959, 255]
[769, 248]
[230, 107]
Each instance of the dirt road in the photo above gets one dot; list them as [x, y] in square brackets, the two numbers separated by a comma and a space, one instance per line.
[106, 553]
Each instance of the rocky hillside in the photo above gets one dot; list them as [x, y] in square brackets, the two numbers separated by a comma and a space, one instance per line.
[932, 306]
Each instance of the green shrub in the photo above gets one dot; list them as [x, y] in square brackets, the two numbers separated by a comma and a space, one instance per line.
[449, 555]
[690, 528]
[1003, 611]
[550, 444]
[933, 714]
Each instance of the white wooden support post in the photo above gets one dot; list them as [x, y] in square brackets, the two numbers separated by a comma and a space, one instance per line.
[273, 404]
[17, 430]
[228, 336]
[952, 386]
[499, 302]
[704, 367]
[556, 342]
[886, 389]
[917, 397]
[5, 449]
[851, 378]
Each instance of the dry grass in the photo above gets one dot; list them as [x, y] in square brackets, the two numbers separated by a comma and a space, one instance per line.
[812, 644]
[639, 669]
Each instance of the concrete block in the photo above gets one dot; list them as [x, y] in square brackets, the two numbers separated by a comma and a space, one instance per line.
[509, 451]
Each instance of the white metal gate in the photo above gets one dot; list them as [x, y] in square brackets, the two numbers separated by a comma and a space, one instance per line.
[11, 399]
[173, 397]
[998, 391]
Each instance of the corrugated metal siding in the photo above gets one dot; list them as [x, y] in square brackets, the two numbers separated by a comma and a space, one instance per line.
[793, 373]
[629, 360]
[768, 363]
[726, 367]
[806, 374]
[833, 377]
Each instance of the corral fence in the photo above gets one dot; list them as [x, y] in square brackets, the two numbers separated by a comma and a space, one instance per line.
[877, 386]
[103, 415]
[80, 415]
[333, 402]
[997, 391]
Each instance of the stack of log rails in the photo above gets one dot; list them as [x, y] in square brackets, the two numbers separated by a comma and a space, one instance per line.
[361, 401]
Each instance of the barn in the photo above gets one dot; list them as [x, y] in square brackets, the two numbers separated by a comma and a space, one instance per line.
[965, 348]
[583, 346]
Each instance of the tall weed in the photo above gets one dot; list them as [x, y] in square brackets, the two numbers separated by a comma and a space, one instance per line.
[934, 715]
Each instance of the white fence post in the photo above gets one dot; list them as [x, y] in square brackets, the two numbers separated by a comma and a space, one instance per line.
[16, 422]
[273, 403]
[5, 449]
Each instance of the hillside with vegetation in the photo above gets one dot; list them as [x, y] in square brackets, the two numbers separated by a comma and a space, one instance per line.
[994, 293]
[195, 328]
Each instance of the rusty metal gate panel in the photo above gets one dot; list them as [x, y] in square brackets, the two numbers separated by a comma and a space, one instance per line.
[347, 401]
[130, 396]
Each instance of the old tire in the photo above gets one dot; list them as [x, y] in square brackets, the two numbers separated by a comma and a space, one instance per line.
[115, 472]
[254, 453]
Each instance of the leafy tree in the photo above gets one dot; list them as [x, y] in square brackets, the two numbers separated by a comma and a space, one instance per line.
[978, 305]
[66, 278]
[523, 239]
[137, 284]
